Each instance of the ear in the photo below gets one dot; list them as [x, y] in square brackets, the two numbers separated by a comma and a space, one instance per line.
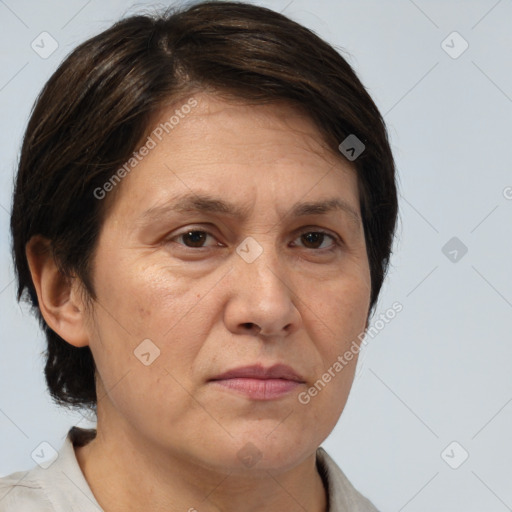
[59, 296]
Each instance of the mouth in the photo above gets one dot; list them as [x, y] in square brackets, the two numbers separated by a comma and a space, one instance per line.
[260, 383]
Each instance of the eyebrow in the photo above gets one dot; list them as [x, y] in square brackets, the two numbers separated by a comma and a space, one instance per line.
[216, 205]
[323, 207]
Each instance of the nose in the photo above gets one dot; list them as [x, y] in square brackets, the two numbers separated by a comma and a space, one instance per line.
[262, 300]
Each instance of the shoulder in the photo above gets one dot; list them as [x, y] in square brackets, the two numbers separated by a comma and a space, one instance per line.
[23, 491]
[55, 486]
[343, 496]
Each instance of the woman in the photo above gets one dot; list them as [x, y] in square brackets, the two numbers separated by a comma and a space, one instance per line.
[203, 215]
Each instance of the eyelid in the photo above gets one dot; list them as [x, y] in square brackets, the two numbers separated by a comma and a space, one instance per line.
[336, 239]
[318, 229]
[189, 229]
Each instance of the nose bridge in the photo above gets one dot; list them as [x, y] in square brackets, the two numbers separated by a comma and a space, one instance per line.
[260, 293]
[259, 264]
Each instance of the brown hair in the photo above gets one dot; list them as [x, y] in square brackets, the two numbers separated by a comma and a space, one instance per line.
[98, 105]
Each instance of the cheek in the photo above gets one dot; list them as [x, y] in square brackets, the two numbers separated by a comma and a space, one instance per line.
[135, 304]
[148, 331]
[341, 305]
[339, 311]
[146, 300]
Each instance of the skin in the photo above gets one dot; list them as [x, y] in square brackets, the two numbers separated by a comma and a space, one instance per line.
[168, 438]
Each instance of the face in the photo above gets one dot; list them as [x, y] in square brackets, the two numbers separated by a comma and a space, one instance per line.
[235, 242]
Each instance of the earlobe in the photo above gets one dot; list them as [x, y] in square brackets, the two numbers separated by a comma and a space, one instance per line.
[57, 294]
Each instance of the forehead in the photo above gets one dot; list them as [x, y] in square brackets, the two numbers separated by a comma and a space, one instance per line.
[233, 125]
[205, 143]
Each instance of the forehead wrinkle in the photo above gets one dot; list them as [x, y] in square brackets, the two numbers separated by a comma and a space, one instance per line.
[324, 207]
[195, 202]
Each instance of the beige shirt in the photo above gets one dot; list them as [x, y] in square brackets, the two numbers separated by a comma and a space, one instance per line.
[62, 487]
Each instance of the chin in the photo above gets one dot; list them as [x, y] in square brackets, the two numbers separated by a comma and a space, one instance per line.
[277, 451]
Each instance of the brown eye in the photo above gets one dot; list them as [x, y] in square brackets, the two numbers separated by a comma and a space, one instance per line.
[313, 240]
[194, 238]
[316, 240]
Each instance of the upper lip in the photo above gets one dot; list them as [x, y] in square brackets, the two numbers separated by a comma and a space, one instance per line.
[258, 371]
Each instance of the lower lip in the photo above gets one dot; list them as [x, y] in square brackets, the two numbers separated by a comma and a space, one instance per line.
[260, 389]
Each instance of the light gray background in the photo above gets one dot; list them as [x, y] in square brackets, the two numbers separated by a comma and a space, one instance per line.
[440, 371]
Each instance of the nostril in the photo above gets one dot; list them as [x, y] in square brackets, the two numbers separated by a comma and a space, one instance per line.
[248, 325]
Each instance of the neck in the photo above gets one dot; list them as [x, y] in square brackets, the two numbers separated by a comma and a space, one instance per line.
[127, 474]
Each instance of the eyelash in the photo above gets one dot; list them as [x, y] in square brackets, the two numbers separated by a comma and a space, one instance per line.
[336, 242]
